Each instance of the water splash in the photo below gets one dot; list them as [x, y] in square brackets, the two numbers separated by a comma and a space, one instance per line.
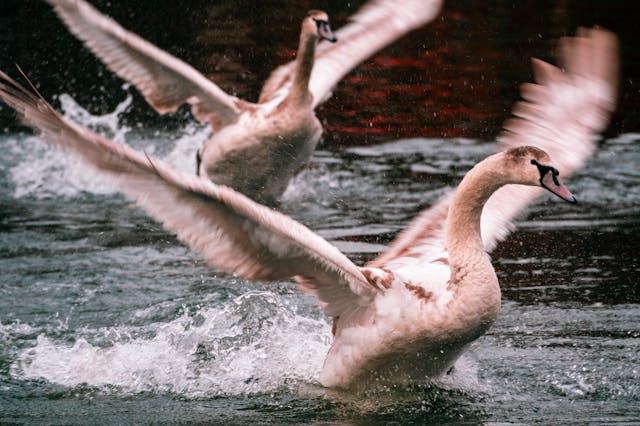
[107, 124]
[255, 343]
[15, 330]
[185, 145]
[41, 172]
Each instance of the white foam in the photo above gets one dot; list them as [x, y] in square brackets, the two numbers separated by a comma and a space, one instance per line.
[255, 343]
[11, 330]
[44, 173]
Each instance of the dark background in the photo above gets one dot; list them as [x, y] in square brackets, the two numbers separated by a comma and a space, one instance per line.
[457, 76]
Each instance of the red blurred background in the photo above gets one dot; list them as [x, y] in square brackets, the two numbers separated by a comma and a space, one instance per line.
[456, 77]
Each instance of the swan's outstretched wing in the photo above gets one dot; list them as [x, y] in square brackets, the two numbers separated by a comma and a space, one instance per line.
[377, 24]
[563, 113]
[165, 81]
[233, 233]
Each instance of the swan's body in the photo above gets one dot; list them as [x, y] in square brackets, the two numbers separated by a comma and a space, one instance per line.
[413, 310]
[259, 154]
[256, 147]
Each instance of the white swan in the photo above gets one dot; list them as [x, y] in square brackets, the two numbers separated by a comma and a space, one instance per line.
[256, 147]
[412, 311]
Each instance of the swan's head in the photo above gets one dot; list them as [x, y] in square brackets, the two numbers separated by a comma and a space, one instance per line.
[534, 167]
[317, 24]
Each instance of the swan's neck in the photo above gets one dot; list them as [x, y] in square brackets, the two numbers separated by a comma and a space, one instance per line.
[473, 278]
[304, 65]
[463, 221]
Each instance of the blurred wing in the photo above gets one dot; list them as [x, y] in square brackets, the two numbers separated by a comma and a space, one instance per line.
[563, 113]
[232, 232]
[377, 24]
[165, 81]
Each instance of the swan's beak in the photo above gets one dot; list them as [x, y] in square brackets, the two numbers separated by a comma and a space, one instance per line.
[550, 180]
[325, 32]
[553, 183]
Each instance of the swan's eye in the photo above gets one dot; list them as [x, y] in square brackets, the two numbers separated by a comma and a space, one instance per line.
[324, 30]
[546, 169]
[321, 23]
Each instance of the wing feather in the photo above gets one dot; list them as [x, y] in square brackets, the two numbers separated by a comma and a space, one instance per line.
[165, 81]
[563, 113]
[232, 232]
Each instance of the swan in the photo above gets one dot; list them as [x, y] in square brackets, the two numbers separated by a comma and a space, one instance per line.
[408, 314]
[258, 147]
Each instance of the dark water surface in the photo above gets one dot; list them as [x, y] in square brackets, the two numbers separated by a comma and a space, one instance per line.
[105, 318]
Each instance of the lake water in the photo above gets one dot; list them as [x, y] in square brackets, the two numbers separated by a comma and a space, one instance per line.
[106, 318]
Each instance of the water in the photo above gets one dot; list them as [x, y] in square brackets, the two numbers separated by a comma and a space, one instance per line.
[106, 318]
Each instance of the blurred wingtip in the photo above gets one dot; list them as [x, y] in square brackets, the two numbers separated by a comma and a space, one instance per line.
[593, 53]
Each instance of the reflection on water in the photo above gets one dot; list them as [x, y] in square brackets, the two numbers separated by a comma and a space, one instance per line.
[101, 310]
